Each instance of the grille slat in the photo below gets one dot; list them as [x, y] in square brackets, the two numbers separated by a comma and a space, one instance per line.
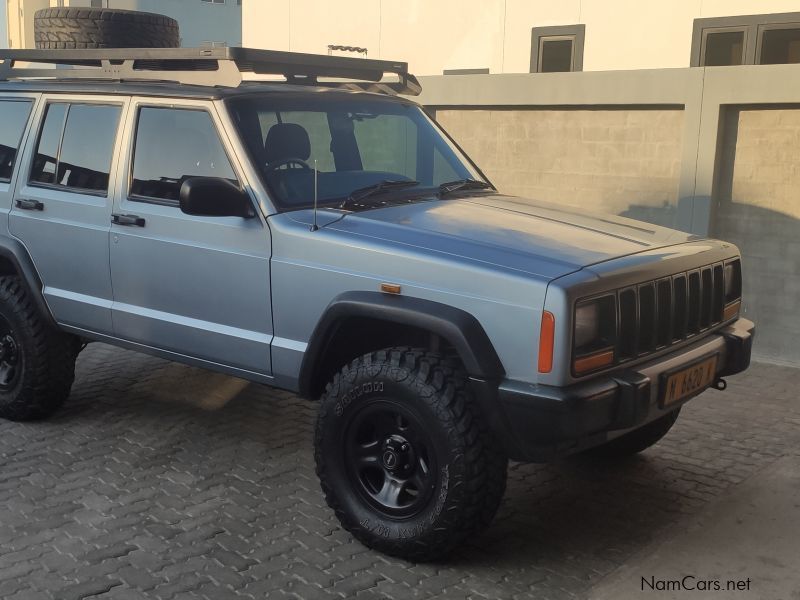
[706, 297]
[694, 307]
[680, 307]
[647, 318]
[628, 317]
[664, 312]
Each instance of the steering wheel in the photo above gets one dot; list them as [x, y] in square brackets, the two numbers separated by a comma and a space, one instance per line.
[288, 161]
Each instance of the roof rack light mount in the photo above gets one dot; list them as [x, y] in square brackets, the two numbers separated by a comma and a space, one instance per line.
[214, 67]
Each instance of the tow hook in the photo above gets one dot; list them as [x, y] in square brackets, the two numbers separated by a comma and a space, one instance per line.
[720, 384]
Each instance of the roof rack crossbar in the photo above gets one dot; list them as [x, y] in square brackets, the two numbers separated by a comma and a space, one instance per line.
[215, 67]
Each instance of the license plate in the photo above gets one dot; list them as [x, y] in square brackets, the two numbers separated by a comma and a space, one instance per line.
[690, 381]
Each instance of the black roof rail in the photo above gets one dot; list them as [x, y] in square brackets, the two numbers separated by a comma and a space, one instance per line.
[215, 67]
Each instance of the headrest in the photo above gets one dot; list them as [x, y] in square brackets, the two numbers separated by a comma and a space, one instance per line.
[287, 140]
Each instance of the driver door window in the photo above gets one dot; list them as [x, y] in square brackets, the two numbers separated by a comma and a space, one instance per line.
[171, 146]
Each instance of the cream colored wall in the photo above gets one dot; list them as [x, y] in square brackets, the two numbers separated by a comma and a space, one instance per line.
[20, 21]
[461, 34]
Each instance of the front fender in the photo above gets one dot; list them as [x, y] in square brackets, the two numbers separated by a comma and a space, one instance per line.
[459, 328]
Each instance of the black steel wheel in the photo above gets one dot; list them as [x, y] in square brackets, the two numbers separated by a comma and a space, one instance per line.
[37, 362]
[390, 458]
[10, 357]
[403, 455]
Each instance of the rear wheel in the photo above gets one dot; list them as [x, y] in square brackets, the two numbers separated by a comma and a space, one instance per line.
[403, 457]
[637, 440]
[37, 362]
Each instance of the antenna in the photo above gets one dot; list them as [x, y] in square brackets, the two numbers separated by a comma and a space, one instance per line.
[316, 196]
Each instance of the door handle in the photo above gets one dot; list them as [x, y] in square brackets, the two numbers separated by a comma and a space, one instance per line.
[127, 220]
[30, 204]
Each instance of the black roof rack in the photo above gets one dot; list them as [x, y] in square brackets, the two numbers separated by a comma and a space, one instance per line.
[216, 67]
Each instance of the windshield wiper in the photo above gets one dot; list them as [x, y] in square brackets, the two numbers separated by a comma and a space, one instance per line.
[462, 184]
[377, 188]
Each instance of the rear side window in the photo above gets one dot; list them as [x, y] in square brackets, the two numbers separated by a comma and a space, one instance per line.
[13, 118]
[75, 146]
[173, 145]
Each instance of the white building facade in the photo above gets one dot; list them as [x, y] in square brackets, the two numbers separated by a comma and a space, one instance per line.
[520, 36]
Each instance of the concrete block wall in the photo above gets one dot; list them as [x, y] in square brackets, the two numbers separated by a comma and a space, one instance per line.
[758, 208]
[626, 162]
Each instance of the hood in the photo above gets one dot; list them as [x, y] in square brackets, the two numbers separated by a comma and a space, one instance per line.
[532, 237]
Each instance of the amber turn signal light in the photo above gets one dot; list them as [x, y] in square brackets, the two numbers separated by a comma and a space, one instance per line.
[547, 336]
[391, 288]
[595, 361]
[731, 310]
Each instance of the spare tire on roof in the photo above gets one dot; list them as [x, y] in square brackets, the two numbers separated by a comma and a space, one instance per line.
[73, 28]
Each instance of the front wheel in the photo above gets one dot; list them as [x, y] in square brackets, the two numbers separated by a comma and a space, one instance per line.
[403, 457]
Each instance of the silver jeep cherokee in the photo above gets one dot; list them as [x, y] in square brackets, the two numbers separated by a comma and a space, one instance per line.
[323, 235]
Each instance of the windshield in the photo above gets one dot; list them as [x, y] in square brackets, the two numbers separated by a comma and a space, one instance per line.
[353, 142]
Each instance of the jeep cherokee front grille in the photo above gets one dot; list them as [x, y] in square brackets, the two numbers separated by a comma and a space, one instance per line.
[656, 314]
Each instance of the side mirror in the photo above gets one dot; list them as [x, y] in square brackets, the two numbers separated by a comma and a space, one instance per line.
[214, 197]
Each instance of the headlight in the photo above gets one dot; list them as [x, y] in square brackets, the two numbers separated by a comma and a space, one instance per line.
[595, 335]
[586, 324]
[728, 279]
[732, 276]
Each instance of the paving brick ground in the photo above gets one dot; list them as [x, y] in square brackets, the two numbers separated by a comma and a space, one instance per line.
[164, 481]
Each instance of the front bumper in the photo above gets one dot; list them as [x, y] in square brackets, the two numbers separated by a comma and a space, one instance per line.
[538, 423]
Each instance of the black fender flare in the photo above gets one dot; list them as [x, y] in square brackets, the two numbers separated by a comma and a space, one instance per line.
[13, 251]
[458, 327]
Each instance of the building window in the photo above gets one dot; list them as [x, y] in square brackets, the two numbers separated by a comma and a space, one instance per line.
[779, 45]
[723, 47]
[557, 49]
[746, 40]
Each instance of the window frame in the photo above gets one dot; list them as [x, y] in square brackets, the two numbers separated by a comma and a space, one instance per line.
[746, 33]
[753, 26]
[43, 118]
[135, 140]
[576, 33]
[765, 27]
[31, 109]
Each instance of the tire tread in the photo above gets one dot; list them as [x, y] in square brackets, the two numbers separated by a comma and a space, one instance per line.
[49, 359]
[449, 396]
